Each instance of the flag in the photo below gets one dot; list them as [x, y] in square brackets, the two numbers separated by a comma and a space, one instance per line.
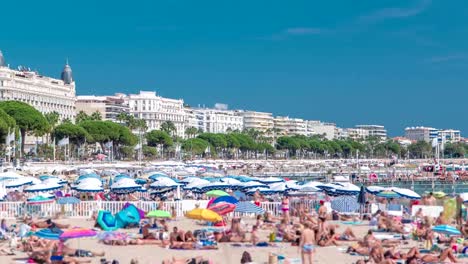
[10, 137]
[435, 141]
[63, 142]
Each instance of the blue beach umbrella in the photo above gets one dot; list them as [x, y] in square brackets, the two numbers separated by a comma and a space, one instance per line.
[49, 234]
[68, 200]
[446, 229]
[226, 199]
[388, 194]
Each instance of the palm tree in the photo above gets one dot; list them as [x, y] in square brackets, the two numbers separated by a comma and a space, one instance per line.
[191, 132]
[81, 116]
[53, 119]
[96, 116]
[168, 127]
[122, 117]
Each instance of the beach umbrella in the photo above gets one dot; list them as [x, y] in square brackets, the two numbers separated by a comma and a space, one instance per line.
[164, 183]
[222, 208]
[204, 215]
[120, 177]
[253, 184]
[362, 196]
[159, 214]
[216, 193]
[265, 191]
[345, 204]
[43, 187]
[446, 229]
[231, 181]
[125, 185]
[248, 208]
[155, 175]
[88, 188]
[388, 194]
[39, 200]
[269, 180]
[15, 183]
[77, 233]
[374, 189]
[68, 200]
[106, 221]
[309, 187]
[89, 181]
[239, 195]
[406, 193]
[49, 234]
[464, 196]
[225, 199]
[140, 181]
[212, 186]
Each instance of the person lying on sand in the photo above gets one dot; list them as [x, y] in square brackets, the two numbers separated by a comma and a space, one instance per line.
[47, 224]
[195, 260]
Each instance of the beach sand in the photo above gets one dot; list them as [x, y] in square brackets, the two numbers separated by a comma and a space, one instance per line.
[226, 254]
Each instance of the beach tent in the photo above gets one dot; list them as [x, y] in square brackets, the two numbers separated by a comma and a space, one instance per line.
[106, 221]
[128, 216]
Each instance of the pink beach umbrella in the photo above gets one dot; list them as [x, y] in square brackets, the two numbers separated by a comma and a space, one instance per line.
[77, 233]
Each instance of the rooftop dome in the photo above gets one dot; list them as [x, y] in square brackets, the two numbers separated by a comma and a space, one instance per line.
[2, 60]
[67, 76]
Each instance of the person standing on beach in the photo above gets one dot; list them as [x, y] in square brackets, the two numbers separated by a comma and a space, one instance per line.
[306, 244]
[285, 208]
[431, 200]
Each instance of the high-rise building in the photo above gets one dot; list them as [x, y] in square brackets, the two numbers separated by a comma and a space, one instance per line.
[156, 110]
[108, 106]
[328, 130]
[290, 126]
[46, 94]
[375, 130]
[260, 121]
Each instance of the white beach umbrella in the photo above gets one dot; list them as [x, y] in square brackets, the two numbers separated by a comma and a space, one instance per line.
[253, 184]
[43, 187]
[125, 185]
[164, 182]
[269, 180]
[374, 189]
[406, 193]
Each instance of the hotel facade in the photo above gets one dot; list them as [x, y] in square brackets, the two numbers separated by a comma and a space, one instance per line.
[46, 94]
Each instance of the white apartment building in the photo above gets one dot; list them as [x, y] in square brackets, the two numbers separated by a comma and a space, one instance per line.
[375, 130]
[259, 121]
[218, 119]
[191, 119]
[421, 133]
[449, 135]
[290, 126]
[109, 106]
[328, 130]
[155, 110]
[357, 133]
[46, 94]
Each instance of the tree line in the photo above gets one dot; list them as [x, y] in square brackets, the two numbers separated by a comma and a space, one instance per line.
[90, 134]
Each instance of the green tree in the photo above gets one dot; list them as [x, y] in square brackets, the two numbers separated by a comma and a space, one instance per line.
[169, 128]
[158, 137]
[27, 118]
[96, 116]
[196, 146]
[52, 119]
[149, 152]
[191, 132]
[420, 149]
[81, 116]
[7, 125]
[76, 134]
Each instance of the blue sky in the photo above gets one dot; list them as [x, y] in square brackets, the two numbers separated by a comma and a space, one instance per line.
[397, 63]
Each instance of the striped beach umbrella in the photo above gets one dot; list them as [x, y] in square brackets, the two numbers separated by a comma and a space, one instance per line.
[446, 229]
[345, 204]
[248, 208]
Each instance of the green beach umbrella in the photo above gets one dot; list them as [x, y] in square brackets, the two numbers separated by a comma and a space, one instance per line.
[216, 193]
[159, 214]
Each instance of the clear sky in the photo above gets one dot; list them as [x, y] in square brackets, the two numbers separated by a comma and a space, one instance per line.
[398, 63]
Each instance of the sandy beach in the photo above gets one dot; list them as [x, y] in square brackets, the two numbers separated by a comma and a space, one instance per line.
[226, 254]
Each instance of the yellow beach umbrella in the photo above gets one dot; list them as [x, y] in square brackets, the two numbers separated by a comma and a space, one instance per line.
[204, 214]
